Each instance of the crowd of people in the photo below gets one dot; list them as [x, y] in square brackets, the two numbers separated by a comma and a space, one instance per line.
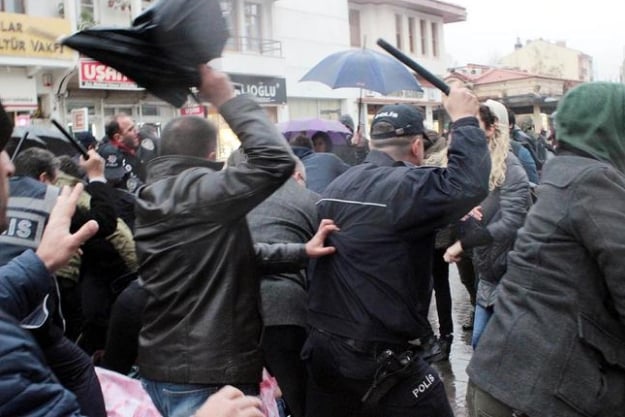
[153, 259]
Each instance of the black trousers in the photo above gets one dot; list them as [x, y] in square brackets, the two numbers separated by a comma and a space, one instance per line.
[122, 342]
[341, 374]
[74, 370]
[442, 293]
[282, 346]
[467, 276]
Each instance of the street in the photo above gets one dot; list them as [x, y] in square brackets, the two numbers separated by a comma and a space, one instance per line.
[453, 372]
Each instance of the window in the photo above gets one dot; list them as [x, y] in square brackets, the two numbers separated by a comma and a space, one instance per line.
[398, 31]
[411, 34]
[434, 39]
[424, 37]
[228, 9]
[253, 25]
[12, 6]
[354, 27]
[87, 14]
[150, 110]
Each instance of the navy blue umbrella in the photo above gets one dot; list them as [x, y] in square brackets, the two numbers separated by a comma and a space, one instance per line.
[363, 68]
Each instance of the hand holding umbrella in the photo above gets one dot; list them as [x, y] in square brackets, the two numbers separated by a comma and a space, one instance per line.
[163, 47]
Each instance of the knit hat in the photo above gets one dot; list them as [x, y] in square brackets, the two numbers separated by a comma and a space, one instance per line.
[591, 118]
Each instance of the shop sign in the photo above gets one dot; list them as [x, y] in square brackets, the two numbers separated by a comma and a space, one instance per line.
[196, 110]
[80, 119]
[266, 90]
[35, 37]
[95, 75]
[17, 91]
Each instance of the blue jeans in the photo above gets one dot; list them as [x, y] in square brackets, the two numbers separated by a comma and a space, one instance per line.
[482, 315]
[182, 400]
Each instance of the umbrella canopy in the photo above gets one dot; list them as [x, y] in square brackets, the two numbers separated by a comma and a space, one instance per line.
[40, 137]
[162, 48]
[363, 68]
[335, 129]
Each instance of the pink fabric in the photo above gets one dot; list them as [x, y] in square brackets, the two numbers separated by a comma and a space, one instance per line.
[269, 391]
[124, 396]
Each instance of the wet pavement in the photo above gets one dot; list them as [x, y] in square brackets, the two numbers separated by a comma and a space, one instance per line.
[453, 372]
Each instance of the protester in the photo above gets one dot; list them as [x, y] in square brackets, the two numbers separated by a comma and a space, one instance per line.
[288, 215]
[554, 344]
[322, 142]
[524, 148]
[357, 147]
[201, 324]
[436, 155]
[370, 298]
[107, 264]
[321, 167]
[491, 228]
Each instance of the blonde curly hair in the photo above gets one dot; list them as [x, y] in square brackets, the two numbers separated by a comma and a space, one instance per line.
[494, 114]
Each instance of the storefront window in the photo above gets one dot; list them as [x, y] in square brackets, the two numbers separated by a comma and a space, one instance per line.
[150, 110]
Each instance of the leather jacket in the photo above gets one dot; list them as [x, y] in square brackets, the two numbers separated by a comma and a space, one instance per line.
[201, 324]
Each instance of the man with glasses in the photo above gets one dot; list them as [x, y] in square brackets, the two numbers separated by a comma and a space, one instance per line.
[124, 168]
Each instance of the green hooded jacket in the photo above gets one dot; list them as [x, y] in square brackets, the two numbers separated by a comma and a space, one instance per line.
[591, 118]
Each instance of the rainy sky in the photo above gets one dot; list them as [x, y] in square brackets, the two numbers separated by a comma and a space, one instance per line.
[596, 28]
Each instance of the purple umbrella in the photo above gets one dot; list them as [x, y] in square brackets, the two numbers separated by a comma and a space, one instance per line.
[335, 129]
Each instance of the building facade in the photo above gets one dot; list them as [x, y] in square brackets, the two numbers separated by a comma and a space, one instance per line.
[525, 93]
[550, 59]
[273, 44]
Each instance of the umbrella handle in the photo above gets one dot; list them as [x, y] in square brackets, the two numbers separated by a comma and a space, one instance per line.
[19, 145]
[72, 140]
[437, 82]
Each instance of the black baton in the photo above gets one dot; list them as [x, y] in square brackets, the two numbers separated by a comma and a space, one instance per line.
[437, 82]
[72, 140]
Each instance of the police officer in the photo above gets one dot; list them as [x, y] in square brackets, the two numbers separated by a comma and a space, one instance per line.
[369, 299]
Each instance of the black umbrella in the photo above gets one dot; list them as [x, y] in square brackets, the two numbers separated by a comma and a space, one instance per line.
[162, 48]
[44, 137]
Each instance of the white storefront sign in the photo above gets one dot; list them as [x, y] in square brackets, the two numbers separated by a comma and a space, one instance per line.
[80, 120]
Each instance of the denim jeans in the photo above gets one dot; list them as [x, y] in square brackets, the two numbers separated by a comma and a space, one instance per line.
[482, 315]
[182, 400]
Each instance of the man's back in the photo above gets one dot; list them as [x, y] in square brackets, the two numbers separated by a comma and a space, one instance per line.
[321, 169]
[201, 323]
[375, 285]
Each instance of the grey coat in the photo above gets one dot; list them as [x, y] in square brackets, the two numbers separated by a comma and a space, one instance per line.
[288, 215]
[555, 345]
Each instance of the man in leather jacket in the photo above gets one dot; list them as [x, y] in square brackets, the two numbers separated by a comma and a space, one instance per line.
[201, 324]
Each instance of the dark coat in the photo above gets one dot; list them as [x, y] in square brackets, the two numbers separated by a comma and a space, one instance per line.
[376, 285]
[504, 212]
[27, 386]
[321, 168]
[288, 215]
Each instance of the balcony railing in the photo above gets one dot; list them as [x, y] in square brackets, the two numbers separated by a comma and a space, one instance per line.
[246, 44]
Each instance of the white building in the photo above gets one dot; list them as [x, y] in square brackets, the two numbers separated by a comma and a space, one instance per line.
[273, 43]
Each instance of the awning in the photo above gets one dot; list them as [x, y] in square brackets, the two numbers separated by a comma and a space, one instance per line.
[17, 91]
